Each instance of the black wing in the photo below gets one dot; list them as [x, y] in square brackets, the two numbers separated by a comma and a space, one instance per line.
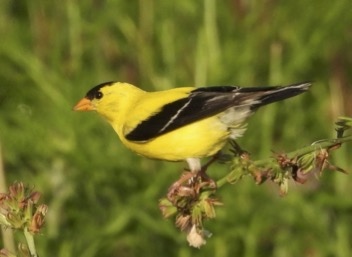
[201, 103]
[207, 101]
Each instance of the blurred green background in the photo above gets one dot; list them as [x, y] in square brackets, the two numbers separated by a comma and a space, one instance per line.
[103, 199]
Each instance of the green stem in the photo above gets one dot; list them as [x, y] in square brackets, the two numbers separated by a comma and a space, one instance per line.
[323, 144]
[311, 148]
[7, 234]
[30, 242]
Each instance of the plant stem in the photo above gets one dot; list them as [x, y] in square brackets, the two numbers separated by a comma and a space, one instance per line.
[323, 144]
[7, 234]
[30, 242]
[311, 148]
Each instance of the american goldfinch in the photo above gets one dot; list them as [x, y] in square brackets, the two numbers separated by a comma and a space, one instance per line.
[185, 123]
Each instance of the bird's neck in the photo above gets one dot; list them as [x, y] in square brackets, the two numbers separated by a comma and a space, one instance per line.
[119, 105]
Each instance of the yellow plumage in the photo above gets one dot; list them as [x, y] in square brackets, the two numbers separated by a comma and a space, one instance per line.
[183, 123]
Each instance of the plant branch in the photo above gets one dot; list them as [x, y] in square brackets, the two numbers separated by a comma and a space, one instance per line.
[30, 242]
[192, 199]
[7, 234]
[248, 167]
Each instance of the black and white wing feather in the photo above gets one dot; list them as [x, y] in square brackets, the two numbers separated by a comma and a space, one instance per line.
[206, 102]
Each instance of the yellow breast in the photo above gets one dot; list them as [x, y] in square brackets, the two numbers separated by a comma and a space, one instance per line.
[200, 139]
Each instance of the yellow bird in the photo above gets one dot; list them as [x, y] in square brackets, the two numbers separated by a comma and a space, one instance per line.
[185, 123]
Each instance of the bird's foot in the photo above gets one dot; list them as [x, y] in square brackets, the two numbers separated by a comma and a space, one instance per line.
[206, 180]
[190, 185]
[178, 188]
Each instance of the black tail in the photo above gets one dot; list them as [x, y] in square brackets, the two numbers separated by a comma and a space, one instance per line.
[273, 94]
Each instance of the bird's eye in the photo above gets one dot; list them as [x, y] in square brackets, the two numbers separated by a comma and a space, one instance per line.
[98, 95]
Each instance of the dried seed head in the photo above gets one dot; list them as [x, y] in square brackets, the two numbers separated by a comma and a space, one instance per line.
[196, 238]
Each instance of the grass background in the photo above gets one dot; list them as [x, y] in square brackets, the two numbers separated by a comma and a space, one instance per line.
[102, 198]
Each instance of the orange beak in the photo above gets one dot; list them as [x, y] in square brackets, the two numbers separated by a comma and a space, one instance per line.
[84, 105]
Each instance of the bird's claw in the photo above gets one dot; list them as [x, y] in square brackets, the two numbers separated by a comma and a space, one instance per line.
[190, 185]
[178, 189]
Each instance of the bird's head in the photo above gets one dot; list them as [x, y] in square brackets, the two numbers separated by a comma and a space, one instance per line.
[107, 99]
